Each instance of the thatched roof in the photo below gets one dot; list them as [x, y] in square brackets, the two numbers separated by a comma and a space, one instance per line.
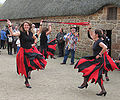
[15, 9]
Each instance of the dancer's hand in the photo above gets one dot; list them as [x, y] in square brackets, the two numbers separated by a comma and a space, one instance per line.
[9, 22]
[41, 22]
[98, 56]
[89, 25]
[33, 44]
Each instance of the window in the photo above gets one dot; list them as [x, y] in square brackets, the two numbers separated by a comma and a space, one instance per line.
[112, 13]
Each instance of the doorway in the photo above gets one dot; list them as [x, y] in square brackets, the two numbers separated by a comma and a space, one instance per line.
[108, 37]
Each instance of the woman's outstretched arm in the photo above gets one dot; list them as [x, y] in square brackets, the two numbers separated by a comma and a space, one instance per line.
[11, 30]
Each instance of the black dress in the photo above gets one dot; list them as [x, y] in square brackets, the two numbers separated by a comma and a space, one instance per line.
[28, 58]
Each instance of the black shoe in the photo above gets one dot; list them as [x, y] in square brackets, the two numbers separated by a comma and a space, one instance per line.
[101, 93]
[71, 63]
[82, 86]
[107, 79]
[93, 80]
[29, 77]
[53, 57]
[27, 85]
[62, 63]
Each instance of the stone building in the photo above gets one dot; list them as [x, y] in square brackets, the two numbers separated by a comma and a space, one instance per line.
[103, 14]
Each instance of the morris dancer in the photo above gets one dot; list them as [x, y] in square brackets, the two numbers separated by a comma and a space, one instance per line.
[105, 41]
[92, 67]
[46, 48]
[28, 58]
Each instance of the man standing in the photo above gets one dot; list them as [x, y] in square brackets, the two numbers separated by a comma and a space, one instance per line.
[61, 42]
[71, 39]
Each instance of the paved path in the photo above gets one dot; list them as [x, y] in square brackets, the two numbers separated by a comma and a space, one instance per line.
[56, 82]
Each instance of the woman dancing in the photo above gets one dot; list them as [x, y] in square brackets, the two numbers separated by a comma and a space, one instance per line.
[28, 58]
[106, 42]
[92, 66]
[46, 48]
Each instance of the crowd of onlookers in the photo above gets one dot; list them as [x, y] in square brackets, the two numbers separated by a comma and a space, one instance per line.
[7, 41]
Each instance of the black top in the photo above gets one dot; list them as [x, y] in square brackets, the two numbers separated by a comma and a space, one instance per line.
[26, 41]
[60, 37]
[96, 47]
[8, 33]
[43, 41]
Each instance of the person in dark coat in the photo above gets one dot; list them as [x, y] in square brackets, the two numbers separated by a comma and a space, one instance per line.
[60, 42]
[3, 38]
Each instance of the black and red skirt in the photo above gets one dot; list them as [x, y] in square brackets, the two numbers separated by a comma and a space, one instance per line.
[29, 59]
[50, 50]
[52, 47]
[93, 68]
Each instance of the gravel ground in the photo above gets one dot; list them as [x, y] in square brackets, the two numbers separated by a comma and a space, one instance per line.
[56, 82]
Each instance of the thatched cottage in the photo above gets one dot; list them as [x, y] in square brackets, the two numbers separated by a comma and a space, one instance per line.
[103, 14]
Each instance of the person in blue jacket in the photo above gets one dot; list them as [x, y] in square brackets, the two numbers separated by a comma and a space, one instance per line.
[3, 38]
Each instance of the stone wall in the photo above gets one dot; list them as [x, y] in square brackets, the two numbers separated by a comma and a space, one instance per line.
[98, 20]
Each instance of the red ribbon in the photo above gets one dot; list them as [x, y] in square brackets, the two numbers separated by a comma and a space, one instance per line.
[3, 19]
[81, 23]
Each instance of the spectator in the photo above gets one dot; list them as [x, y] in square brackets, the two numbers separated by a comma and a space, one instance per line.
[60, 42]
[71, 39]
[18, 44]
[15, 39]
[3, 38]
[9, 41]
[0, 39]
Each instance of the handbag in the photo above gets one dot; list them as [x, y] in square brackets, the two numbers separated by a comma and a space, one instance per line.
[10, 39]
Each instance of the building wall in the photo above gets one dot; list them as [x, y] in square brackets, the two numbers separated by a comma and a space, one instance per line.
[98, 20]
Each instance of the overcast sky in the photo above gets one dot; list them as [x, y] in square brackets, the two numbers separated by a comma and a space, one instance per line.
[2, 1]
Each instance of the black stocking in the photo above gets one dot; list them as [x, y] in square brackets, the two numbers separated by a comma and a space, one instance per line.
[26, 80]
[85, 81]
[102, 87]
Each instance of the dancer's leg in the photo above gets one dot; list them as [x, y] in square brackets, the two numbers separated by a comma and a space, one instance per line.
[27, 83]
[84, 84]
[103, 91]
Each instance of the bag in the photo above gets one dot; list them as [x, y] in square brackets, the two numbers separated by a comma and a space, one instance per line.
[10, 39]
